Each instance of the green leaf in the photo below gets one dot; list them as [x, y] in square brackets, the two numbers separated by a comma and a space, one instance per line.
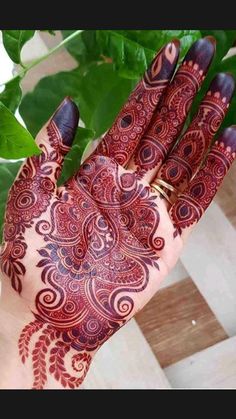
[99, 93]
[229, 65]
[11, 95]
[35, 110]
[224, 41]
[131, 51]
[73, 158]
[84, 48]
[14, 40]
[8, 172]
[15, 140]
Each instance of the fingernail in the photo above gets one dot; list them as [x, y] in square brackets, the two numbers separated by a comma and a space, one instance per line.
[223, 84]
[164, 63]
[66, 119]
[202, 52]
[228, 138]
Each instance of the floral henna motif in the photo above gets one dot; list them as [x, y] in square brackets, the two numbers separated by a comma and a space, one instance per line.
[197, 197]
[123, 137]
[99, 247]
[32, 192]
[188, 154]
[168, 121]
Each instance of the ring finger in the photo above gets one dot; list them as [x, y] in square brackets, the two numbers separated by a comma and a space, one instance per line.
[188, 154]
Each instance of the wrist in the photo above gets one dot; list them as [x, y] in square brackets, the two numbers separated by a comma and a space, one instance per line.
[13, 374]
[14, 316]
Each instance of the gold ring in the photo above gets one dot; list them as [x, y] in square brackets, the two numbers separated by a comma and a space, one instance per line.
[166, 185]
[161, 191]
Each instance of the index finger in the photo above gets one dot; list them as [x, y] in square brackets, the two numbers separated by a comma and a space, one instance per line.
[122, 138]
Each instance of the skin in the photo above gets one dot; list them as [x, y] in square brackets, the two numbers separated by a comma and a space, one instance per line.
[79, 261]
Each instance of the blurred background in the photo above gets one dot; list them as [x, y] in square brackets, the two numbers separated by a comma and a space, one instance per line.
[186, 336]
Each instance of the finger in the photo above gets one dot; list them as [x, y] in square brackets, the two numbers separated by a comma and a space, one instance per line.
[186, 157]
[170, 116]
[54, 140]
[121, 140]
[195, 199]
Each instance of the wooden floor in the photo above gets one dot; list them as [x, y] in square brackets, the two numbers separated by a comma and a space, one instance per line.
[178, 322]
[186, 336]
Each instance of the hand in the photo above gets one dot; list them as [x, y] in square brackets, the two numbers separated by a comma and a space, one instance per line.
[85, 257]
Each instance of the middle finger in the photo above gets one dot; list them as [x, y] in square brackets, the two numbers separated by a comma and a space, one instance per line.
[170, 116]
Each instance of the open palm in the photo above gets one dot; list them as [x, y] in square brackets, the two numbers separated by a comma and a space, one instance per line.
[86, 256]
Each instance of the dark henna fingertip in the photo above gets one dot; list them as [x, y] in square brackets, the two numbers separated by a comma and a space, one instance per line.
[223, 84]
[227, 139]
[202, 53]
[164, 63]
[66, 119]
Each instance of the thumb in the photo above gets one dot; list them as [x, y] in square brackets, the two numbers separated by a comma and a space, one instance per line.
[54, 139]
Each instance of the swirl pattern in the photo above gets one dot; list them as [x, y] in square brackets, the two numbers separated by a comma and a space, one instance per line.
[99, 247]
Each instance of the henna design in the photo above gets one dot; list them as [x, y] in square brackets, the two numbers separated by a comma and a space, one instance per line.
[31, 193]
[191, 204]
[11, 264]
[167, 122]
[100, 243]
[189, 152]
[80, 364]
[99, 233]
[123, 137]
[25, 337]
[28, 198]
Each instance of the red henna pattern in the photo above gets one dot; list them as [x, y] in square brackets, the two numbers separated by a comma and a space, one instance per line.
[25, 337]
[11, 256]
[80, 364]
[99, 245]
[189, 152]
[191, 204]
[29, 197]
[168, 121]
[123, 137]
[49, 334]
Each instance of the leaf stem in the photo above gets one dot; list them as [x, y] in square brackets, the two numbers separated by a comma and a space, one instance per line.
[44, 57]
